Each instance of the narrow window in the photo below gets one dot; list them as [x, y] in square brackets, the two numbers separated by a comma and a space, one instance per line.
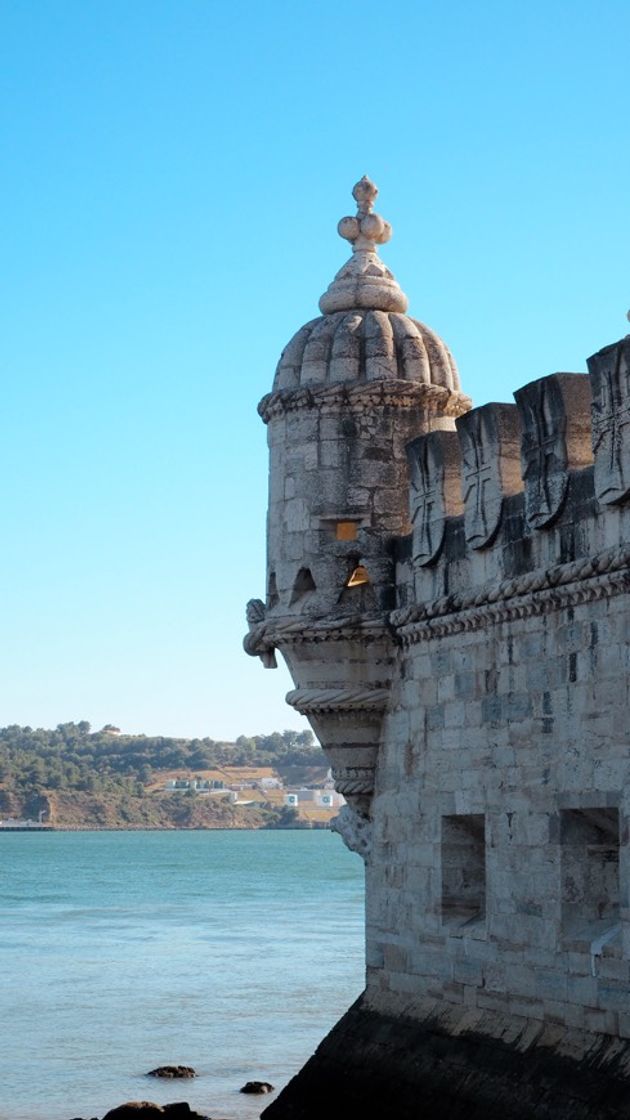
[463, 869]
[304, 583]
[590, 875]
[272, 591]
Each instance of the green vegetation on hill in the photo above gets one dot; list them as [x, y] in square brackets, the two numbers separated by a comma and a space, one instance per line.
[78, 776]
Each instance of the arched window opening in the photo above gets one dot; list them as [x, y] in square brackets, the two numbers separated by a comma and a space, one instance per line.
[304, 583]
[359, 577]
[272, 591]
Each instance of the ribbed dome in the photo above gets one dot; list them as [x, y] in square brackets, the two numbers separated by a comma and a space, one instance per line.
[364, 334]
[360, 346]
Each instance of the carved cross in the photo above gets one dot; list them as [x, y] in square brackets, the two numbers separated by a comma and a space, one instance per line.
[544, 450]
[611, 421]
[490, 441]
[425, 502]
[478, 476]
[434, 462]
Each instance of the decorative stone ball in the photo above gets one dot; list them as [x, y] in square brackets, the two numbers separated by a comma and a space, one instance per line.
[376, 228]
[349, 228]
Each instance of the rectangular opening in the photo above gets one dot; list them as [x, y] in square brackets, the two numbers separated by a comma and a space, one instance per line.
[590, 876]
[346, 530]
[463, 870]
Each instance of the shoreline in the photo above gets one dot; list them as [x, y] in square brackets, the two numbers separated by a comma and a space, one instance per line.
[306, 827]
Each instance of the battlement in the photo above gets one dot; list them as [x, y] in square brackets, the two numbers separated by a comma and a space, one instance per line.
[521, 496]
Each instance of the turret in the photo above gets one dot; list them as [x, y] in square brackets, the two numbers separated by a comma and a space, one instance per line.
[352, 389]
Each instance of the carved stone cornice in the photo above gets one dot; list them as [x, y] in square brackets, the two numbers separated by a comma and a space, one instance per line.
[532, 593]
[537, 592]
[273, 633]
[390, 392]
[314, 701]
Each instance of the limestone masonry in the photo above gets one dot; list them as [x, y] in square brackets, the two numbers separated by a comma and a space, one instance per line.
[449, 588]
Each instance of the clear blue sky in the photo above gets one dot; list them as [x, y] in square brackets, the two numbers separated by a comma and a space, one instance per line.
[173, 174]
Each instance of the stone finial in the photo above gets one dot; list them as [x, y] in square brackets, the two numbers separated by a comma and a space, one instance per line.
[367, 230]
[364, 281]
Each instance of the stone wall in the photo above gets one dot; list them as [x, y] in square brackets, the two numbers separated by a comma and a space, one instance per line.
[500, 871]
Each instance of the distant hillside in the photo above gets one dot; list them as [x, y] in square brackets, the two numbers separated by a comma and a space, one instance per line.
[78, 778]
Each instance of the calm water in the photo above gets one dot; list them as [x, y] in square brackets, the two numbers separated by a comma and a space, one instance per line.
[233, 952]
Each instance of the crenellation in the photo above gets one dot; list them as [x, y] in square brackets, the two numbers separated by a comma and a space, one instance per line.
[490, 445]
[556, 422]
[610, 379]
[435, 491]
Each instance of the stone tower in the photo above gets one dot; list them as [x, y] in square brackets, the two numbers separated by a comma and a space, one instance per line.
[352, 389]
[451, 590]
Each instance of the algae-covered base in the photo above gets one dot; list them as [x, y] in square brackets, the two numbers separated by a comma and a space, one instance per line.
[372, 1064]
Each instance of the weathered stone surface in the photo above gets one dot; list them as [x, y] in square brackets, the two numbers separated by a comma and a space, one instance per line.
[610, 379]
[555, 414]
[490, 442]
[435, 490]
[355, 829]
[452, 1067]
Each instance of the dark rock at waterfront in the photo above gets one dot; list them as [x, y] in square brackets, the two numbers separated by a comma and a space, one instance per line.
[172, 1071]
[257, 1087]
[181, 1111]
[136, 1110]
[147, 1110]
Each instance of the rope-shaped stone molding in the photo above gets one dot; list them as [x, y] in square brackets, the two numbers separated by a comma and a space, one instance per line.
[310, 701]
[355, 628]
[366, 396]
[265, 638]
[545, 589]
[354, 780]
[533, 593]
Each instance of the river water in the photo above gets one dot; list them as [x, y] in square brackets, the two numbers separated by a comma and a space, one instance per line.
[232, 952]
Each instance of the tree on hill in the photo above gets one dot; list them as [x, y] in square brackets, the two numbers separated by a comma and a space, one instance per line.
[73, 757]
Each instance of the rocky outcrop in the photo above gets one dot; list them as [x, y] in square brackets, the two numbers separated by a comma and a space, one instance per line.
[148, 1110]
[170, 1072]
[257, 1087]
